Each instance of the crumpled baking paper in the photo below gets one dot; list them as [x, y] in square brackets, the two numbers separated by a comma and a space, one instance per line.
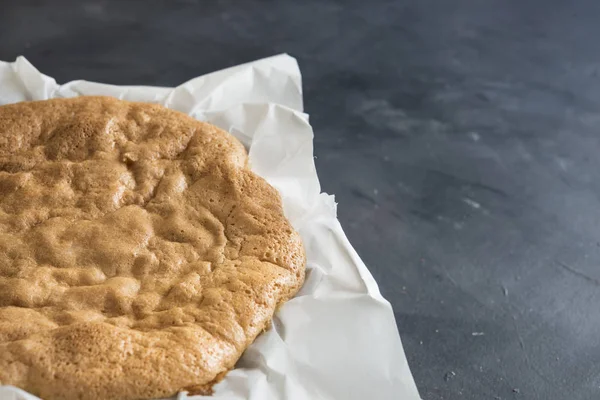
[337, 339]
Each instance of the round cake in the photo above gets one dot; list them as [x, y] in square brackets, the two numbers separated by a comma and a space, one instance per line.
[139, 255]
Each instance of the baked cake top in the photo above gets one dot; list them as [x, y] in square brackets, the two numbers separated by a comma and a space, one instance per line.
[139, 255]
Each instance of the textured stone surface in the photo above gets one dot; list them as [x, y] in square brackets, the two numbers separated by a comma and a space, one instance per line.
[459, 136]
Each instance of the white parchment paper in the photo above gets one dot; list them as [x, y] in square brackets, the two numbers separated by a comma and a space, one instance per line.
[337, 339]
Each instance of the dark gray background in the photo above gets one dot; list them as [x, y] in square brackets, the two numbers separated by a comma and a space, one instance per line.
[460, 137]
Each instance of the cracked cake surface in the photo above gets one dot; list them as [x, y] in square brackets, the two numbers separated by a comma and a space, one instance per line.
[139, 255]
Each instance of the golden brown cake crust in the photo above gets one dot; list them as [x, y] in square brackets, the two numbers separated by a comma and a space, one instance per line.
[139, 255]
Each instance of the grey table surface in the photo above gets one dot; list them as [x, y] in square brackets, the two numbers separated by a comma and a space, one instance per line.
[459, 136]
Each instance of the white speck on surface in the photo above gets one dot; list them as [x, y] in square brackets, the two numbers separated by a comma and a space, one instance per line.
[474, 136]
[471, 203]
[449, 375]
[458, 225]
[386, 158]
[478, 333]
[375, 192]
